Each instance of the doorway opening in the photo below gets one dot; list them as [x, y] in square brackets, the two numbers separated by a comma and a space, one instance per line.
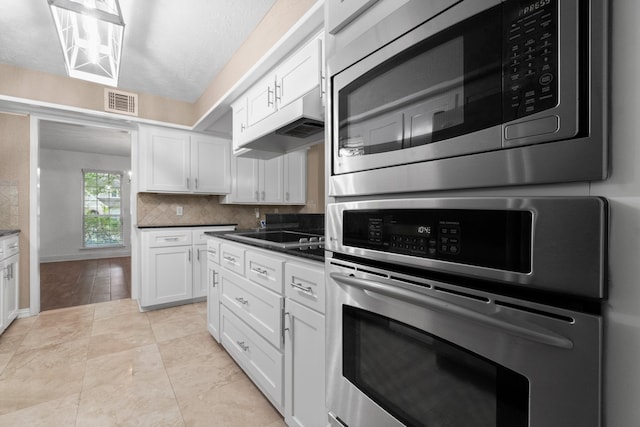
[85, 214]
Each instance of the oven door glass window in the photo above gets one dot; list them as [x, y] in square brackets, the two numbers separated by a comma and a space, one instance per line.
[442, 87]
[425, 381]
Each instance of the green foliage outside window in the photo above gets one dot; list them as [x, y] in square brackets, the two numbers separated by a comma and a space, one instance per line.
[102, 208]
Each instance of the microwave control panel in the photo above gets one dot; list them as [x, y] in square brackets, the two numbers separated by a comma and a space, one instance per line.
[530, 62]
[494, 239]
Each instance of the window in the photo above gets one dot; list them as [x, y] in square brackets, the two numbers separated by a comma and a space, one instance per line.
[102, 209]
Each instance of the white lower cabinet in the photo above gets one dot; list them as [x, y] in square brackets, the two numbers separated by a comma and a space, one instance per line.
[267, 310]
[174, 265]
[304, 366]
[9, 280]
[259, 359]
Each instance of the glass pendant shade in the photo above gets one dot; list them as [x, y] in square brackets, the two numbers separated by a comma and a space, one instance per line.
[90, 33]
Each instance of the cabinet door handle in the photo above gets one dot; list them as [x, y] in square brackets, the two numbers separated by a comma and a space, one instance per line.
[269, 93]
[242, 300]
[276, 92]
[242, 345]
[242, 127]
[188, 182]
[198, 255]
[260, 271]
[196, 179]
[189, 255]
[263, 195]
[305, 289]
[229, 259]
[287, 196]
[257, 197]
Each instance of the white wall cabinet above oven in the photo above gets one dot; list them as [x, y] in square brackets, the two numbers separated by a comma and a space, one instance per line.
[174, 161]
[281, 180]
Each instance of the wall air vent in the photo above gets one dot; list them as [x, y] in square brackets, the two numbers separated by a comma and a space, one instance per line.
[117, 101]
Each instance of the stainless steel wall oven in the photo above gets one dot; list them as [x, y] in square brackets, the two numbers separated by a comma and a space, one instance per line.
[511, 92]
[479, 312]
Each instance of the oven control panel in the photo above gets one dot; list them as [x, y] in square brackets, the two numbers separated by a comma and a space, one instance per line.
[488, 238]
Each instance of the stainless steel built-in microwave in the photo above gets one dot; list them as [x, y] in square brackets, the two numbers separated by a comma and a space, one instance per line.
[472, 93]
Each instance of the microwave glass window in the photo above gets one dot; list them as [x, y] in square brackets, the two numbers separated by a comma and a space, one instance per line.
[426, 381]
[443, 87]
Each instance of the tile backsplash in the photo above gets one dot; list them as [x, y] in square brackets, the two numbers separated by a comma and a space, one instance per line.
[9, 213]
[160, 210]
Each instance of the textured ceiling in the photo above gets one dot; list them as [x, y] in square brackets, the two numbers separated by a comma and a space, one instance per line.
[172, 49]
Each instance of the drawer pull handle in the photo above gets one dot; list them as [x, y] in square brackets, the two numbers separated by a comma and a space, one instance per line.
[242, 345]
[170, 239]
[242, 300]
[229, 259]
[260, 271]
[305, 289]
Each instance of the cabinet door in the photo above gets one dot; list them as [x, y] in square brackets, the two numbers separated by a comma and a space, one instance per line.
[4, 278]
[166, 160]
[200, 284]
[295, 177]
[299, 74]
[11, 290]
[213, 301]
[246, 179]
[169, 275]
[304, 367]
[261, 100]
[210, 165]
[239, 122]
[272, 177]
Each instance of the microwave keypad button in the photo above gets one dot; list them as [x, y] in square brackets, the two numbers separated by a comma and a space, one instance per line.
[546, 79]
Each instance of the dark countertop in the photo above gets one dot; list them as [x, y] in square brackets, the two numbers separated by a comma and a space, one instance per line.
[184, 226]
[4, 233]
[316, 254]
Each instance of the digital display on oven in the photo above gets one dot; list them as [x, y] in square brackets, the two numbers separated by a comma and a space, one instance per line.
[487, 238]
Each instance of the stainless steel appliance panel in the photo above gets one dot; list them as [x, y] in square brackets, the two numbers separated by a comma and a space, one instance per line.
[568, 241]
[557, 350]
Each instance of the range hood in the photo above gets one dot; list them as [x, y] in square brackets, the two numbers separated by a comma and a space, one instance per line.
[295, 126]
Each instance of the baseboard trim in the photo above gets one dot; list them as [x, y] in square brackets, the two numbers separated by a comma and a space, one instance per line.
[80, 257]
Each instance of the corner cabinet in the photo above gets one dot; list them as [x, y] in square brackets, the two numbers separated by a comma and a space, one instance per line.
[267, 310]
[174, 265]
[174, 161]
[278, 181]
[9, 280]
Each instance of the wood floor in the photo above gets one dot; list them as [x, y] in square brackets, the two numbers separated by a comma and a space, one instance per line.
[74, 283]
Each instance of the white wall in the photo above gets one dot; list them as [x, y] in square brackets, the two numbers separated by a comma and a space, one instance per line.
[622, 189]
[61, 204]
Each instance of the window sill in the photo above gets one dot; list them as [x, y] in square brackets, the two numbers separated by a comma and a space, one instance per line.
[89, 248]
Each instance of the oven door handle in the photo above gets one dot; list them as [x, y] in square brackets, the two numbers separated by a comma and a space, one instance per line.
[540, 335]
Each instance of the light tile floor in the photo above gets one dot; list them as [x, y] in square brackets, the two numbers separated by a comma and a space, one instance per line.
[107, 364]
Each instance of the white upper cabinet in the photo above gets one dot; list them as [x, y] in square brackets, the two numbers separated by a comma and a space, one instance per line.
[210, 165]
[295, 177]
[281, 180]
[173, 161]
[293, 78]
[299, 74]
[261, 100]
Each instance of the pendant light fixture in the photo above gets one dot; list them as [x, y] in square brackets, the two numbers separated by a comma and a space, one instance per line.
[90, 33]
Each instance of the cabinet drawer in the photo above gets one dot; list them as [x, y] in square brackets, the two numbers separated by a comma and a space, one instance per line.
[213, 251]
[263, 363]
[257, 306]
[305, 284]
[265, 270]
[232, 258]
[9, 246]
[200, 237]
[166, 238]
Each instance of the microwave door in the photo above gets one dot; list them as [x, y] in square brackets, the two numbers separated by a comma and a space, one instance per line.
[405, 101]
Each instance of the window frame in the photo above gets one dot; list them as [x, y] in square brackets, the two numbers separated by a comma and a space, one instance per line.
[120, 174]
